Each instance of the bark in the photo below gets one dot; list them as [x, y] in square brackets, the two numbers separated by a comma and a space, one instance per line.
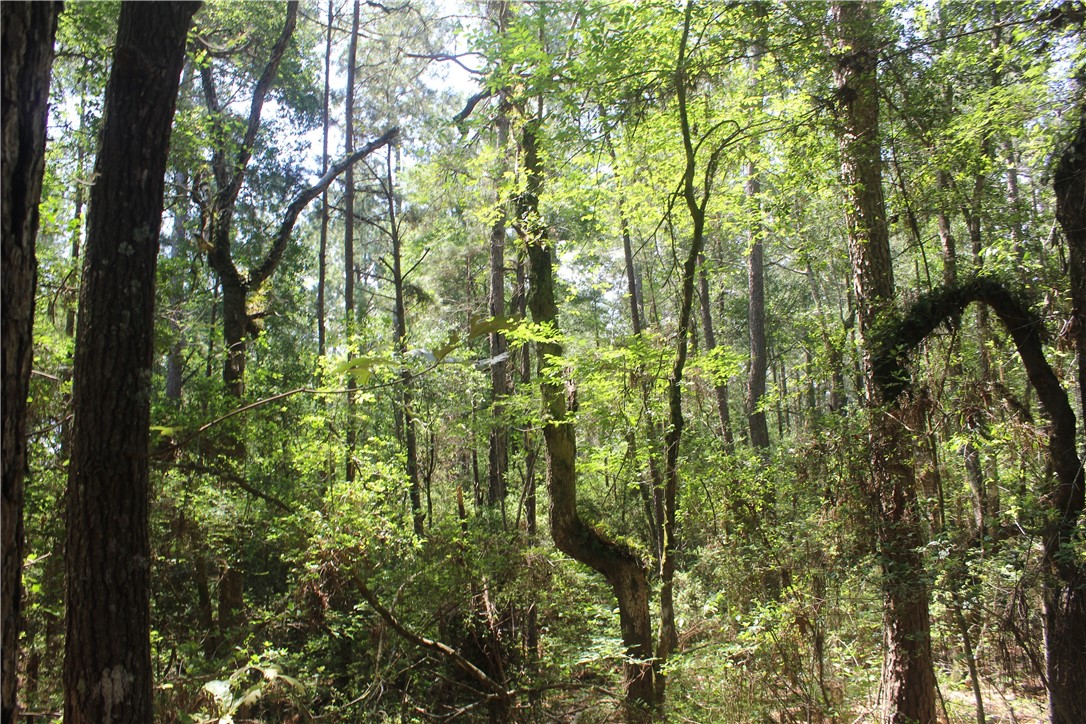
[405, 414]
[907, 691]
[499, 385]
[696, 202]
[617, 563]
[1065, 602]
[28, 33]
[756, 319]
[107, 663]
[229, 176]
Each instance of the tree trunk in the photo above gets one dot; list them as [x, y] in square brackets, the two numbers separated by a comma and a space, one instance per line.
[720, 386]
[348, 240]
[1065, 597]
[235, 324]
[107, 663]
[907, 692]
[404, 413]
[28, 33]
[759, 358]
[322, 254]
[695, 206]
[620, 565]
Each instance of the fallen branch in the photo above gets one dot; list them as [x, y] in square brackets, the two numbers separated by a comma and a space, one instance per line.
[498, 691]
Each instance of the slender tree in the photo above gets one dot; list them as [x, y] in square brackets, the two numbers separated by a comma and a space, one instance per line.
[107, 662]
[499, 385]
[322, 253]
[756, 311]
[28, 33]
[620, 565]
[348, 236]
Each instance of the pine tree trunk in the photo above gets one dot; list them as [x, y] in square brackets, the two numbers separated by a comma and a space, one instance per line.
[107, 664]
[907, 692]
[28, 33]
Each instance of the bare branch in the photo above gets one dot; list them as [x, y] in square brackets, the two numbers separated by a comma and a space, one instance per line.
[262, 272]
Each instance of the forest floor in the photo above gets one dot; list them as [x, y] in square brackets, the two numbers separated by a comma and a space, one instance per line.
[1001, 706]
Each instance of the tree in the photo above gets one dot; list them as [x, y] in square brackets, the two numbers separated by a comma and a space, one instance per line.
[349, 312]
[756, 310]
[615, 561]
[107, 665]
[28, 33]
[907, 691]
[230, 166]
[1065, 589]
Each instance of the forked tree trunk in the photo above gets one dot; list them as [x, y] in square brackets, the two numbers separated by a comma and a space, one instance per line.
[28, 33]
[907, 691]
[107, 662]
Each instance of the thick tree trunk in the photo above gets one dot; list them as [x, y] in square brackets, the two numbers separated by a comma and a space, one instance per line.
[907, 692]
[1065, 599]
[620, 565]
[107, 663]
[235, 324]
[28, 33]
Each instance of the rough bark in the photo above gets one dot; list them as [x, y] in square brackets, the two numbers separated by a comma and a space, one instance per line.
[907, 692]
[1065, 603]
[617, 563]
[28, 33]
[107, 663]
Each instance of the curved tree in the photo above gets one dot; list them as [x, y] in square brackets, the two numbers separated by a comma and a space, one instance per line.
[1064, 575]
[618, 563]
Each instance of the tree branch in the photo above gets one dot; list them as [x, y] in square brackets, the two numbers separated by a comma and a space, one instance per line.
[262, 272]
[421, 641]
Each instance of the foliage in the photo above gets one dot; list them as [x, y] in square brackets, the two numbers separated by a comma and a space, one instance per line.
[261, 548]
